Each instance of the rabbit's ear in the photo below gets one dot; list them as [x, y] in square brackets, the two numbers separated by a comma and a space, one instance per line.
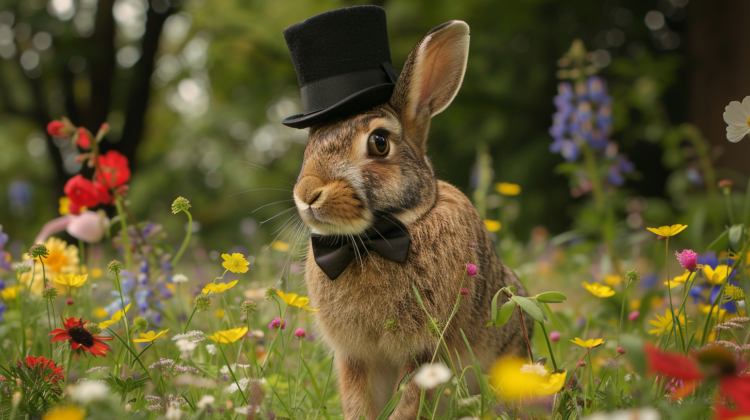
[433, 72]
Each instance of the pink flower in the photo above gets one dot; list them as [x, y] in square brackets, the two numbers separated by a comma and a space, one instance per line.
[471, 269]
[84, 142]
[581, 363]
[88, 226]
[69, 300]
[688, 260]
[464, 291]
[634, 315]
[621, 350]
[471, 244]
[554, 336]
[300, 333]
[56, 128]
[276, 323]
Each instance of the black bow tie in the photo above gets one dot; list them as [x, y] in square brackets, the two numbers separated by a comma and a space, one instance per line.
[387, 237]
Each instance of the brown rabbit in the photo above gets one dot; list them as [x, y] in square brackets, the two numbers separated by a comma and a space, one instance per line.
[374, 163]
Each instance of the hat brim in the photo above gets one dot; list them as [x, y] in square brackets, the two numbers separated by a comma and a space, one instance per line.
[350, 105]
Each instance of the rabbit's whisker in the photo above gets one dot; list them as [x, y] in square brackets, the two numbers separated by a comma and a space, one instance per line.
[271, 204]
[284, 211]
[260, 168]
[260, 189]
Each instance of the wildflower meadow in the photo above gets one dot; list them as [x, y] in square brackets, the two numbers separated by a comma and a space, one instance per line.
[106, 313]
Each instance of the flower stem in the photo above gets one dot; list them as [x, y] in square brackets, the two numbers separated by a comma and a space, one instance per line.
[186, 240]
[681, 343]
[46, 303]
[730, 212]
[229, 367]
[122, 304]
[622, 311]
[125, 235]
[549, 346]
[525, 333]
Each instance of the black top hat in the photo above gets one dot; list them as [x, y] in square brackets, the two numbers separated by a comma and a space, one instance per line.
[343, 63]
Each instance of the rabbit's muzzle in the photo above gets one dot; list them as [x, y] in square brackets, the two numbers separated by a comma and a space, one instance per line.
[331, 207]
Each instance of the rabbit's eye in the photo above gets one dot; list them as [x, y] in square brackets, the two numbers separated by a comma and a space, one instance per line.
[377, 145]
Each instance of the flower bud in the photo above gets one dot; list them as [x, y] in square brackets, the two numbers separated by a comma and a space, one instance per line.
[726, 186]
[180, 204]
[581, 363]
[554, 336]
[140, 324]
[115, 267]
[270, 293]
[620, 350]
[632, 276]
[49, 293]
[464, 291]
[202, 302]
[69, 300]
[248, 307]
[38, 250]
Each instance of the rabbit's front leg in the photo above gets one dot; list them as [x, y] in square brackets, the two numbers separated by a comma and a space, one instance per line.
[353, 383]
[408, 406]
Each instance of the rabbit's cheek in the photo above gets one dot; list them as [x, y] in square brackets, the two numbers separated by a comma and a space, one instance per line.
[333, 207]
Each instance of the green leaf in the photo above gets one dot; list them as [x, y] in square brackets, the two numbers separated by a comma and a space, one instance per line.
[720, 243]
[494, 306]
[505, 313]
[553, 317]
[735, 234]
[529, 307]
[551, 297]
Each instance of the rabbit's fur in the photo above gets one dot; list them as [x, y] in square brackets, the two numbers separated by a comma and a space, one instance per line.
[369, 315]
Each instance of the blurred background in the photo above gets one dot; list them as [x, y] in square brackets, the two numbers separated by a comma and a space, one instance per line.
[195, 90]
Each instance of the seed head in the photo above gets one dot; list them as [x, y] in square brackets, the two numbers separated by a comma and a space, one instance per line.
[248, 307]
[38, 251]
[115, 267]
[202, 302]
[632, 276]
[180, 204]
[270, 293]
[49, 294]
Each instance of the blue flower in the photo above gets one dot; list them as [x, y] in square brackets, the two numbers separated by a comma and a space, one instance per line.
[729, 306]
[567, 148]
[2, 311]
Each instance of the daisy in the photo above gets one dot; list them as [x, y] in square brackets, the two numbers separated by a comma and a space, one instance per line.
[737, 116]
[80, 337]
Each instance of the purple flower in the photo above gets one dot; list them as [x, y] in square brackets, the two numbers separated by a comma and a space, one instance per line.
[271, 415]
[300, 333]
[276, 323]
[464, 291]
[471, 269]
[634, 315]
[688, 260]
[554, 336]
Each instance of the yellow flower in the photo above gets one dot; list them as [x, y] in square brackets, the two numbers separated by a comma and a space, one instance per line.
[280, 246]
[513, 379]
[65, 413]
[149, 336]
[220, 313]
[229, 336]
[72, 280]
[115, 318]
[735, 293]
[707, 308]
[218, 287]
[100, 312]
[588, 343]
[492, 225]
[612, 279]
[292, 299]
[668, 231]
[678, 280]
[598, 290]
[10, 293]
[64, 206]
[664, 324]
[635, 304]
[95, 272]
[236, 263]
[718, 275]
[62, 259]
[506, 188]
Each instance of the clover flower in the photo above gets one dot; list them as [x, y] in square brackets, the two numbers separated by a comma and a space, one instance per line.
[471, 269]
[276, 323]
[688, 260]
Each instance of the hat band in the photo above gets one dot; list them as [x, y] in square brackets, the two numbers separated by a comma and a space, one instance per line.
[323, 93]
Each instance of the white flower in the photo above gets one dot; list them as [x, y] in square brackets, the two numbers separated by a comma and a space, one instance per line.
[632, 414]
[90, 391]
[431, 375]
[470, 401]
[186, 348]
[534, 368]
[247, 409]
[205, 401]
[179, 278]
[738, 117]
[256, 333]
[211, 349]
[234, 388]
[173, 413]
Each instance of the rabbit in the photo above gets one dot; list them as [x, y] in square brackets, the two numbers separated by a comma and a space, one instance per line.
[374, 163]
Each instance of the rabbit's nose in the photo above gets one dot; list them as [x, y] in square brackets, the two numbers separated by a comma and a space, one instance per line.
[310, 189]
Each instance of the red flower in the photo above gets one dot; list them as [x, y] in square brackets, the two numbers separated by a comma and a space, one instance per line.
[83, 192]
[80, 337]
[84, 142]
[114, 169]
[57, 372]
[719, 363]
[55, 129]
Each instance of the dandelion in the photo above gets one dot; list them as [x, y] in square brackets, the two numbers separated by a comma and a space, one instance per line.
[236, 263]
[229, 336]
[590, 343]
[506, 188]
[737, 117]
[668, 231]
[471, 269]
[431, 375]
[292, 299]
[179, 278]
[688, 260]
[598, 290]
[718, 275]
[218, 287]
[492, 225]
[72, 280]
[80, 337]
[664, 324]
[150, 336]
